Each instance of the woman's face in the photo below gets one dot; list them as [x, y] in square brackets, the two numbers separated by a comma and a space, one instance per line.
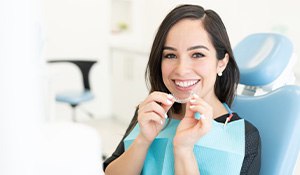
[189, 62]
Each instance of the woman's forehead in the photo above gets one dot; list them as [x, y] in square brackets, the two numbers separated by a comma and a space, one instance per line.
[188, 32]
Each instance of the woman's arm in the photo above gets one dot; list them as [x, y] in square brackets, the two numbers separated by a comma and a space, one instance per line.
[131, 161]
[185, 162]
[188, 132]
[151, 117]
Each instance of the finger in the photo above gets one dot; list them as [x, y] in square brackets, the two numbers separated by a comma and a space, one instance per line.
[199, 107]
[194, 101]
[165, 100]
[153, 107]
[194, 105]
[151, 116]
[188, 112]
[198, 115]
[203, 112]
[204, 124]
[170, 101]
[197, 111]
[161, 98]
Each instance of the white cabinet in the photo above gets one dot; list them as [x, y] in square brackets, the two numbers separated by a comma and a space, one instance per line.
[128, 82]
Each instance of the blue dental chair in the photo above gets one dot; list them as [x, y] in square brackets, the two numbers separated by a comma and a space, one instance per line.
[268, 100]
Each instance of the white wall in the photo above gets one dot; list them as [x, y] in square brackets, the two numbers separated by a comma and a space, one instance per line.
[81, 28]
[240, 17]
[21, 102]
[78, 29]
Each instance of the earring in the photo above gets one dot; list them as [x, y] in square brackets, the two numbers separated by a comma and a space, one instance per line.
[220, 74]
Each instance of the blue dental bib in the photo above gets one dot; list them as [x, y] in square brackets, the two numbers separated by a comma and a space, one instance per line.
[221, 151]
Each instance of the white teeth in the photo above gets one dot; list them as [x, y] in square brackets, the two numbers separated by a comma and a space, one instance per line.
[185, 84]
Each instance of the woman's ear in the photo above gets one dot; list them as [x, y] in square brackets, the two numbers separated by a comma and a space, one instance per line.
[222, 63]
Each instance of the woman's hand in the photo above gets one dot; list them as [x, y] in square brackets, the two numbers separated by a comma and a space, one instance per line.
[190, 130]
[151, 114]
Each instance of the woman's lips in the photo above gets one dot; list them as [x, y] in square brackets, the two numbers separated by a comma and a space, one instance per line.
[185, 84]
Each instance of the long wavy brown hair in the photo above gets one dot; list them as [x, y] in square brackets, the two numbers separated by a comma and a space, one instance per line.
[225, 86]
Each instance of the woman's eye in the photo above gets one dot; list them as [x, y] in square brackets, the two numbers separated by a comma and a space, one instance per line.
[197, 55]
[169, 56]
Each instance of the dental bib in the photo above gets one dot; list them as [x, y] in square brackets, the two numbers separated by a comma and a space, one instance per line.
[221, 151]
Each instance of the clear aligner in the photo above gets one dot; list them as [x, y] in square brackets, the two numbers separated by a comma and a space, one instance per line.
[185, 100]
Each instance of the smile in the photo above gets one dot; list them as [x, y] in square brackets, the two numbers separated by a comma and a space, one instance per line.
[186, 84]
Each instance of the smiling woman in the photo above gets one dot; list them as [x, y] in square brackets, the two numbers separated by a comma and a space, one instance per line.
[190, 64]
[191, 58]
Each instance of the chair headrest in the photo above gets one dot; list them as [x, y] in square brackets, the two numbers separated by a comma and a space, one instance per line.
[262, 58]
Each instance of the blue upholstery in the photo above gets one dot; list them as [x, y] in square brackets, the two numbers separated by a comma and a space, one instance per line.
[262, 58]
[277, 117]
[74, 98]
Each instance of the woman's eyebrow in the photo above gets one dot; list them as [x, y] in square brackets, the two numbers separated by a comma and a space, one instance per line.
[169, 48]
[197, 47]
[188, 49]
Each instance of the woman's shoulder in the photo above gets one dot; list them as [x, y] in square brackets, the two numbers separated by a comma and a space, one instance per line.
[250, 129]
[252, 159]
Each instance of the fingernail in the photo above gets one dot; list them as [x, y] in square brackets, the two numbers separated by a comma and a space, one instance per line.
[192, 106]
[195, 96]
[169, 102]
[198, 116]
[161, 122]
[166, 115]
[192, 100]
[170, 96]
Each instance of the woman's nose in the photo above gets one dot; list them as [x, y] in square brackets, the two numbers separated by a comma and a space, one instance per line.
[183, 66]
